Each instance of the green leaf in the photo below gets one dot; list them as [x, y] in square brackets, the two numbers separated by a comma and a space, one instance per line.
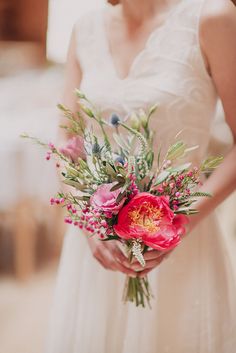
[120, 197]
[75, 184]
[161, 177]
[72, 172]
[150, 158]
[176, 150]
[120, 178]
[211, 163]
[180, 168]
[159, 158]
[110, 170]
[80, 94]
[200, 194]
[116, 186]
[111, 237]
[121, 142]
[186, 211]
[152, 110]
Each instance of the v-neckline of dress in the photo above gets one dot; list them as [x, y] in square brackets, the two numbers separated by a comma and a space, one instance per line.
[137, 57]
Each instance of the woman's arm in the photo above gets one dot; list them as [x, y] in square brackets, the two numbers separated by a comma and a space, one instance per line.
[73, 76]
[107, 254]
[218, 42]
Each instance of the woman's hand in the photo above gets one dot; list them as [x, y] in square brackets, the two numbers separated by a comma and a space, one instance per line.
[153, 259]
[108, 254]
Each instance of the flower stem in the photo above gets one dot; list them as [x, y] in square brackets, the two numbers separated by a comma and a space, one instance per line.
[137, 290]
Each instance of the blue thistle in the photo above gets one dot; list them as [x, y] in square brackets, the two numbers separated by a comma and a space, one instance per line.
[120, 160]
[115, 120]
[96, 149]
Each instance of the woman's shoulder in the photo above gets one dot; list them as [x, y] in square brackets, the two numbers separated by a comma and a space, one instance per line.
[217, 30]
[218, 20]
[218, 11]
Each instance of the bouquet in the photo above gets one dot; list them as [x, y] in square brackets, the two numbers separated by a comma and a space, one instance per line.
[123, 190]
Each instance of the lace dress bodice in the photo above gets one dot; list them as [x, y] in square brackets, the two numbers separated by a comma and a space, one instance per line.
[170, 71]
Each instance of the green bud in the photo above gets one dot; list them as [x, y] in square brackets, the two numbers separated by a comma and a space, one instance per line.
[86, 110]
[79, 94]
[143, 118]
[134, 122]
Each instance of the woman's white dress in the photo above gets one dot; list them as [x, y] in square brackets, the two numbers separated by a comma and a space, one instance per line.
[194, 310]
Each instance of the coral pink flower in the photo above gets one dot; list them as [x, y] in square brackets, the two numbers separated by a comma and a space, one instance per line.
[149, 218]
[105, 200]
[74, 149]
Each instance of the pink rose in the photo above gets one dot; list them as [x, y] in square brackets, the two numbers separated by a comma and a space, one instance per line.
[149, 218]
[74, 149]
[105, 200]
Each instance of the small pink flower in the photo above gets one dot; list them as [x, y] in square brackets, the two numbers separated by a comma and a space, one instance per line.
[74, 149]
[105, 200]
[68, 220]
[51, 146]
[48, 156]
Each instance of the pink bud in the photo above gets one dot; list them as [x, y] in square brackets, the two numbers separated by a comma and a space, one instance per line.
[103, 223]
[51, 146]
[68, 220]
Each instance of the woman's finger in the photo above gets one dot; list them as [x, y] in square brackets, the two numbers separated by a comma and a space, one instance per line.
[147, 270]
[149, 264]
[109, 262]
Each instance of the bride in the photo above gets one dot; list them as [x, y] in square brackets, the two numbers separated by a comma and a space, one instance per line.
[181, 54]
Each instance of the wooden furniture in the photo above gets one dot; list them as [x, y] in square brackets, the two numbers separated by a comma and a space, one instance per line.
[31, 235]
[23, 28]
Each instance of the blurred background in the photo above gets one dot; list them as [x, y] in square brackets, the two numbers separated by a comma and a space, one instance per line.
[34, 37]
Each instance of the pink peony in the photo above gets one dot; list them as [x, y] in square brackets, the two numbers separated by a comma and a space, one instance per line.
[74, 149]
[149, 218]
[105, 200]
